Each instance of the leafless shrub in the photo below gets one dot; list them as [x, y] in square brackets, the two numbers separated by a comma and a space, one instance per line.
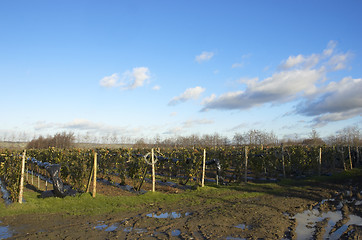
[59, 140]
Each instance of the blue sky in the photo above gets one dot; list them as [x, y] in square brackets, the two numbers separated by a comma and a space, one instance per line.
[169, 68]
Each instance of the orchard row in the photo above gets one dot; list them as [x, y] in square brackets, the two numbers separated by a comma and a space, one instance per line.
[183, 165]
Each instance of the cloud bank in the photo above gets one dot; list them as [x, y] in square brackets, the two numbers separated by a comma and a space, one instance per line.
[304, 79]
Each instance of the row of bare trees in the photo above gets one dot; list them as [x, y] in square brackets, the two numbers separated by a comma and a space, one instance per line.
[347, 136]
[59, 140]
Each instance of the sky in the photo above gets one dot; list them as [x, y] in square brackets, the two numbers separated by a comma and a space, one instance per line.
[145, 69]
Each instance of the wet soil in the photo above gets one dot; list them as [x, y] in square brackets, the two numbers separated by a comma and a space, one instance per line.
[264, 217]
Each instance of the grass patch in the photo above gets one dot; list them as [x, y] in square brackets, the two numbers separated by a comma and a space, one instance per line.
[84, 204]
[211, 194]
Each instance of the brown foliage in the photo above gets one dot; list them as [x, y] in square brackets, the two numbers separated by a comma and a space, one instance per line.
[59, 140]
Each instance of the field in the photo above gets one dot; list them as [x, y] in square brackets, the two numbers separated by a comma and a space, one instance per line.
[330, 206]
[248, 211]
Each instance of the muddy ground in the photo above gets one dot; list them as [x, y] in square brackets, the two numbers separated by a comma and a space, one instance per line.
[269, 216]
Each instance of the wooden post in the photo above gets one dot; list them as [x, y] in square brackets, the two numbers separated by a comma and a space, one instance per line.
[320, 162]
[350, 157]
[344, 162]
[283, 162]
[95, 175]
[153, 172]
[246, 164]
[334, 158]
[90, 179]
[203, 169]
[22, 178]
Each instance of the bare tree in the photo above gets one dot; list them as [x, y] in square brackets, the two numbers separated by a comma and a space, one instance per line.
[59, 140]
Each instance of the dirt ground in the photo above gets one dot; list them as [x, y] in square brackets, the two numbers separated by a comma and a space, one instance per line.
[265, 217]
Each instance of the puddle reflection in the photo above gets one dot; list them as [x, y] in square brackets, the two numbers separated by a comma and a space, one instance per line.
[306, 222]
[243, 226]
[167, 215]
[176, 233]
[5, 232]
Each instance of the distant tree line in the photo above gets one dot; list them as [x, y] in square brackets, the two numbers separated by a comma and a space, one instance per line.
[347, 136]
[59, 140]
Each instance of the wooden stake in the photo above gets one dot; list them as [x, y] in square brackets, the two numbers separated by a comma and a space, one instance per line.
[344, 162]
[153, 173]
[203, 169]
[283, 162]
[95, 175]
[90, 179]
[246, 164]
[320, 162]
[22, 178]
[350, 157]
[334, 158]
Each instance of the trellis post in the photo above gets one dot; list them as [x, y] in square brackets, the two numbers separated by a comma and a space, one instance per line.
[203, 169]
[22, 178]
[350, 157]
[283, 161]
[320, 162]
[246, 164]
[153, 172]
[95, 175]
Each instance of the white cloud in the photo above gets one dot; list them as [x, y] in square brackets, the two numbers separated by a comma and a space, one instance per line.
[280, 87]
[138, 77]
[156, 87]
[248, 81]
[129, 80]
[204, 56]
[190, 93]
[82, 124]
[330, 48]
[301, 61]
[339, 62]
[109, 81]
[304, 79]
[336, 101]
[293, 61]
[329, 58]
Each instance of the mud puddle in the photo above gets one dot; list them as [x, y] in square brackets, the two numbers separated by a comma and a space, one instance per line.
[5, 193]
[5, 232]
[168, 215]
[117, 227]
[329, 219]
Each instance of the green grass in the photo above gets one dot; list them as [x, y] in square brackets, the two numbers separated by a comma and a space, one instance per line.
[211, 194]
[85, 204]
